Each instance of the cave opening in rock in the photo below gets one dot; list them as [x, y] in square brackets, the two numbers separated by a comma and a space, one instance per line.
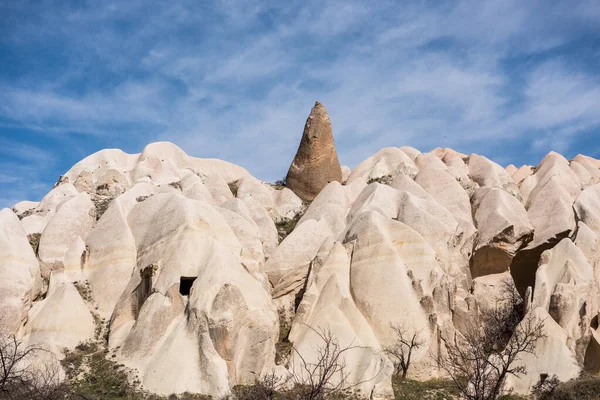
[185, 284]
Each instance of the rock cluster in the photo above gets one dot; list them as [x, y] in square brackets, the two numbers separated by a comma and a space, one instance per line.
[186, 266]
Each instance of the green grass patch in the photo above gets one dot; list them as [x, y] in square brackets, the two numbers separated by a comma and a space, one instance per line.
[284, 228]
[435, 389]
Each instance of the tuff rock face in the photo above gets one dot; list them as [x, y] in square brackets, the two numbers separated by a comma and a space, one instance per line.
[183, 260]
[316, 163]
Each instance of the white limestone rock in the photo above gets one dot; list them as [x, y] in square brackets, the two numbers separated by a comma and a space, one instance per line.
[74, 219]
[392, 277]
[489, 174]
[268, 231]
[422, 240]
[587, 207]
[522, 173]
[502, 228]
[61, 320]
[328, 308]
[332, 205]
[448, 192]
[346, 171]
[281, 204]
[551, 357]
[389, 161]
[288, 265]
[227, 315]
[20, 280]
[549, 207]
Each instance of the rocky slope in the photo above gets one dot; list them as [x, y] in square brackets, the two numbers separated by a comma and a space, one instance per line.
[184, 259]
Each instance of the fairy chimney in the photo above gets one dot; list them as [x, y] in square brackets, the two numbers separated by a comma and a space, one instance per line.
[316, 163]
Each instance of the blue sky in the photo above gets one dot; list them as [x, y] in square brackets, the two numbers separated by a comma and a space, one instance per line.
[236, 80]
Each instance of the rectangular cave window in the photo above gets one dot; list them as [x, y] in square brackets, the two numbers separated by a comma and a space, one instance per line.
[185, 285]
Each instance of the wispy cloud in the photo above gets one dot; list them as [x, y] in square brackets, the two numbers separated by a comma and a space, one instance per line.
[236, 80]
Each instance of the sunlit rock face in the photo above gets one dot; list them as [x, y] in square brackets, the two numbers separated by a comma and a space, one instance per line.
[195, 264]
[316, 162]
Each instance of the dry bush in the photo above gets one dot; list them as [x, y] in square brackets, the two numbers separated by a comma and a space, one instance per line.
[582, 388]
[21, 379]
[268, 387]
[405, 343]
[327, 377]
[479, 360]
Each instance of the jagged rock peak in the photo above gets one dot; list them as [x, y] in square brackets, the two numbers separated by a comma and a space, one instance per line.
[316, 162]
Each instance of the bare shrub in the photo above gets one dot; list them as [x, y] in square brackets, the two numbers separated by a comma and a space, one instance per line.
[21, 379]
[401, 351]
[268, 387]
[546, 387]
[584, 387]
[327, 377]
[479, 360]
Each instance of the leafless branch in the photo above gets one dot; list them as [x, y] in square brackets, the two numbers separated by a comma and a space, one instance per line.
[401, 350]
[479, 360]
[327, 375]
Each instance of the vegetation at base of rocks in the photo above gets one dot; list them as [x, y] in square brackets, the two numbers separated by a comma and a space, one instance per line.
[384, 180]
[513, 397]
[233, 186]
[321, 377]
[283, 347]
[400, 351]
[84, 289]
[278, 185]
[92, 375]
[585, 387]
[481, 358]
[325, 376]
[435, 389]
[284, 228]
[259, 391]
[34, 241]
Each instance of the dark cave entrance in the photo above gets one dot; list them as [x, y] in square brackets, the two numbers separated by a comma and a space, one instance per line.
[185, 284]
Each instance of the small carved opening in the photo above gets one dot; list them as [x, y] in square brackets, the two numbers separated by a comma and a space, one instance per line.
[185, 284]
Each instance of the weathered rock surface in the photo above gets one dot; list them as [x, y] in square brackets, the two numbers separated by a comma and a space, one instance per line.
[316, 162]
[183, 259]
[20, 280]
[503, 228]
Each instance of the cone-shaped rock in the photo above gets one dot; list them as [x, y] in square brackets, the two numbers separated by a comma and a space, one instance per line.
[316, 163]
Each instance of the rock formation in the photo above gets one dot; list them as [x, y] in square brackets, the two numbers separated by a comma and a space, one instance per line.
[316, 162]
[182, 259]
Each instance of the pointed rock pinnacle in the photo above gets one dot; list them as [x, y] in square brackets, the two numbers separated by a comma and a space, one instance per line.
[316, 163]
